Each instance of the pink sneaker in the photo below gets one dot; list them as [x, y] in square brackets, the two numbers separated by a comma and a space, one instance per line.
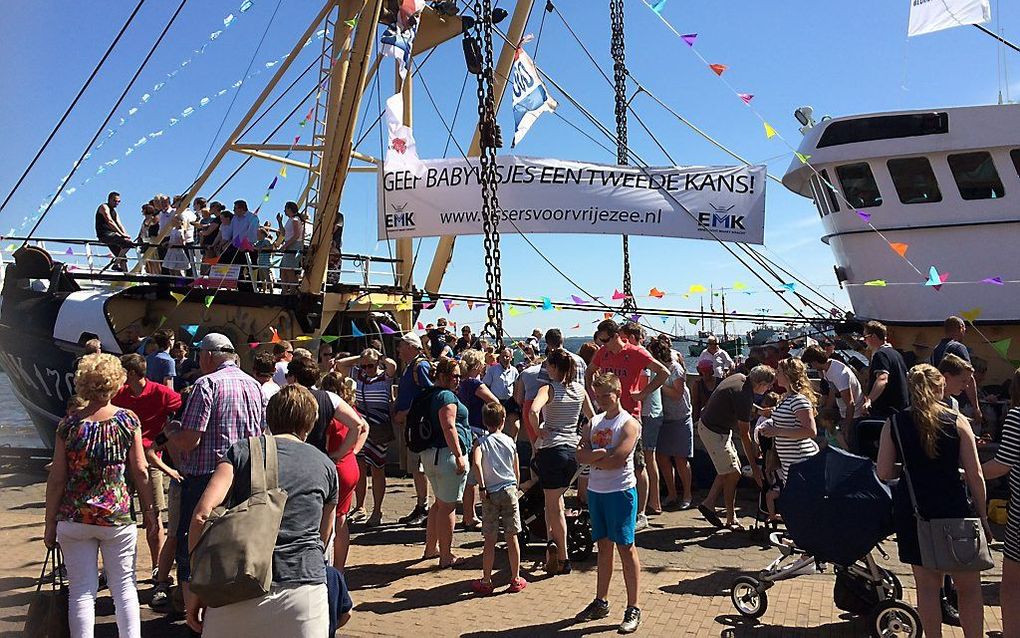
[481, 587]
[517, 584]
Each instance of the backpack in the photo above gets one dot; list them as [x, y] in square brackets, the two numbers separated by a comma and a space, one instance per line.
[420, 431]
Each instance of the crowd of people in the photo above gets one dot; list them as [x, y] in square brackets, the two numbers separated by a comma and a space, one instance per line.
[475, 429]
[174, 239]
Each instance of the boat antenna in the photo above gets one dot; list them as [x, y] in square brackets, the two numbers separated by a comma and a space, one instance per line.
[489, 141]
[617, 48]
[70, 108]
[106, 121]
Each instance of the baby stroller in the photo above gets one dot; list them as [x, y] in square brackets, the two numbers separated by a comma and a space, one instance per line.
[533, 528]
[836, 512]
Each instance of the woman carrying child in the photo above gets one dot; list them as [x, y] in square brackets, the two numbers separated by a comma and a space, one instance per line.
[793, 420]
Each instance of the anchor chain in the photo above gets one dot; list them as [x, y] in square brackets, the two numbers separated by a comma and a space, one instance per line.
[490, 139]
[620, 81]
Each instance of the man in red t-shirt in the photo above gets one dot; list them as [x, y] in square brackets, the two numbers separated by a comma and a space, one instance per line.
[153, 403]
[628, 362]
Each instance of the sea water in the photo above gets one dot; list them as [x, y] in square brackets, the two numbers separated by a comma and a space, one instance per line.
[16, 429]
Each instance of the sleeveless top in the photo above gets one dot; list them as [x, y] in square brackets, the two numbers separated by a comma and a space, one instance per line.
[324, 420]
[607, 433]
[373, 393]
[938, 482]
[96, 492]
[561, 415]
[105, 228]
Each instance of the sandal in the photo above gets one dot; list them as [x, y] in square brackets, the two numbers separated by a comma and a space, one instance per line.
[710, 515]
[456, 562]
[517, 584]
[483, 588]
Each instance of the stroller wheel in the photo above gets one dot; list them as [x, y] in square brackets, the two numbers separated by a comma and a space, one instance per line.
[895, 619]
[579, 541]
[749, 598]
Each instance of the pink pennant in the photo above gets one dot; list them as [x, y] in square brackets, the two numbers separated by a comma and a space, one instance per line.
[254, 344]
[865, 216]
[575, 326]
[428, 306]
[995, 281]
[689, 38]
[617, 295]
[421, 326]
[746, 97]
[448, 304]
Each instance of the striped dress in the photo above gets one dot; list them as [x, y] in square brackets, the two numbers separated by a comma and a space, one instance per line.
[791, 450]
[1009, 454]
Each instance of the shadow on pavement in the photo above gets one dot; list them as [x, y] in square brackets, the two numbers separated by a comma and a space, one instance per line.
[566, 627]
[738, 627]
[411, 599]
[714, 584]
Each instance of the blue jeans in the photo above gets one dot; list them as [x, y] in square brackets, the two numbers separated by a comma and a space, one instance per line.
[192, 488]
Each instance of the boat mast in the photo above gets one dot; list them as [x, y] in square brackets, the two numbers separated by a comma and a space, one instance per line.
[723, 295]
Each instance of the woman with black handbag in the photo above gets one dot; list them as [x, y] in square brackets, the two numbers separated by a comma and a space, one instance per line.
[939, 529]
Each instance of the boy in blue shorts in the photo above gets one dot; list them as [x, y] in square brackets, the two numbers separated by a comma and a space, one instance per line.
[497, 470]
[607, 445]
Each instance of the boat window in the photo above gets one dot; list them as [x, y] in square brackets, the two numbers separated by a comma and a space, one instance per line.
[976, 176]
[859, 185]
[914, 180]
[1015, 156]
[830, 189]
[816, 196]
[884, 127]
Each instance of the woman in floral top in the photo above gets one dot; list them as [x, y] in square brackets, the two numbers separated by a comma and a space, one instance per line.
[88, 503]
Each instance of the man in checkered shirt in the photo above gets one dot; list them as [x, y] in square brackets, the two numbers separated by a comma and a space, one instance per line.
[225, 406]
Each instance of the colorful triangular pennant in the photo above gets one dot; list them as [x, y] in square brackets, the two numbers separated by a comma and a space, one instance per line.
[718, 69]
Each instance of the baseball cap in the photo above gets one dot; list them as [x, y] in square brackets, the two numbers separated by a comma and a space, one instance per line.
[411, 339]
[215, 342]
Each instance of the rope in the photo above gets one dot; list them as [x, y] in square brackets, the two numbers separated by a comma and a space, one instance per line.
[70, 108]
[106, 121]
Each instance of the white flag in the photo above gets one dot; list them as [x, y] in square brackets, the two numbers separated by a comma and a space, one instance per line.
[401, 151]
[530, 98]
[927, 16]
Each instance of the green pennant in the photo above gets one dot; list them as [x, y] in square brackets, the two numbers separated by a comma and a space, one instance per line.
[353, 22]
[694, 322]
[162, 320]
[328, 338]
[208, 300]
[1002, 347]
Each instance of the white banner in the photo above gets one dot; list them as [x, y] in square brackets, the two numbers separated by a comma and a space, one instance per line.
[927, 16]
[562, 196]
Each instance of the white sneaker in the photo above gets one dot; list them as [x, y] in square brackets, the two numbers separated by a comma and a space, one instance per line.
[642, 522]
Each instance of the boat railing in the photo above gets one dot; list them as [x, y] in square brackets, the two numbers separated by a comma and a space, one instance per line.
[91, 262]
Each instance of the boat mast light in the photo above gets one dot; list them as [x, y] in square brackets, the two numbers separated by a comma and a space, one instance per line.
[804, 116]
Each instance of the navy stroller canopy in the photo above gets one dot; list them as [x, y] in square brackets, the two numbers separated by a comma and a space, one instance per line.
[835, 507]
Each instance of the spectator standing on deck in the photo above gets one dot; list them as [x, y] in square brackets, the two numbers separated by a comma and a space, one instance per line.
[952, 343]
[722, 362]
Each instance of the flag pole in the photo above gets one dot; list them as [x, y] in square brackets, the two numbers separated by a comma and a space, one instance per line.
[999, 38]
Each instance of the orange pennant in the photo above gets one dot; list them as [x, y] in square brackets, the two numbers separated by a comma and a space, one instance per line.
[607, 315]
[900, 249]
[655, 292]
[718, 68]
[276, 336]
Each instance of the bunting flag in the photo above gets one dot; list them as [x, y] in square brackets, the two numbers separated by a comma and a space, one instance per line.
[276, 336]
[792, 287]
[617, 295]
[448, 304]
[802, 157]
[353, 22]
[254, 344]
[693, 321]
[696, 288]
[689, 38]
[769, 131]
[190, 328]
[575, 326]
[283, 171]
[421, 326]
[355, 332]
[745, 97]
[739, 285]
[971, 315]
[69, 251]
[995, 281]
[655, 292]
[328, 338]
[386, 330]
[658, 6]
[901, 249]
[178, 296]
[547, 303]
[635, 318]
[1002, 346]
[936, 279]
[470, 305]
[530, 97]
[718, 69]
[865, 216]
[607, 315]
[577, 299]
[208, 301]
[513, 312]
[876, 282]
[401, 149]
[302, 338]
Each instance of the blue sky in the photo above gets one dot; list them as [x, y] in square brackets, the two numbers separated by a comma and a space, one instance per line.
[841, 58]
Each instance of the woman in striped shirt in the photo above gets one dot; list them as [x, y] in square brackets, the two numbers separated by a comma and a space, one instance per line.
[563, 399]
[1007, 461]
[793, 420]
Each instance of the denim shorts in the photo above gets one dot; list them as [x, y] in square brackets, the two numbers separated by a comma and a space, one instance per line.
[650, 426]
[613, 515]
[556, 466]
[441, 471]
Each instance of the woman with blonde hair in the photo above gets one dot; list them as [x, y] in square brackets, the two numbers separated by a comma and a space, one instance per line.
[88, 501]
[793, 420]
[474, 394]
[933, 443]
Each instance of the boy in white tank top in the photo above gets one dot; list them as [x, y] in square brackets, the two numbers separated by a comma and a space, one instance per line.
[607, 444]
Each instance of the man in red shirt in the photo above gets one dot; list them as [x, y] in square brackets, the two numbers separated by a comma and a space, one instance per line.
[628, 362]
[153, 403]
